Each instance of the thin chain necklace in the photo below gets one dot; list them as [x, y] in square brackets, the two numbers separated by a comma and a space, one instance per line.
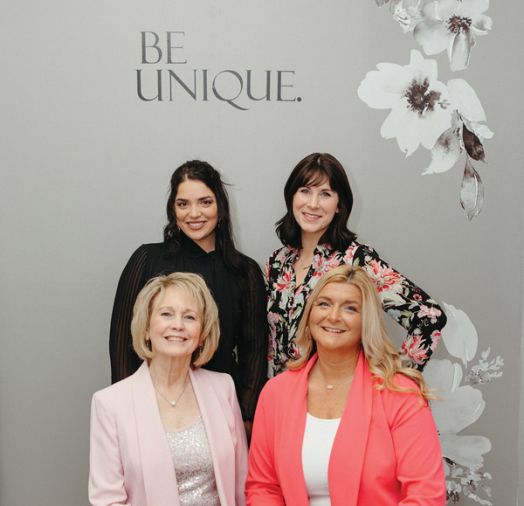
[172, 403]
[331, 386]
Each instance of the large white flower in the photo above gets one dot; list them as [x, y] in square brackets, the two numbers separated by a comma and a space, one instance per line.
[452, 25]
[457, 408]
[419, 103]
[468, 112]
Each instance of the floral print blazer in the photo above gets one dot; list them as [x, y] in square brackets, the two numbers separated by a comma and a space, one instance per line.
[410, 306]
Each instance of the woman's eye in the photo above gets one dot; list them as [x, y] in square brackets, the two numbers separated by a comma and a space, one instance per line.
[190, 317]
[304, 190]
[351, 309]
[165, 313]
[326, 194]
[322, 304]
[181, 205]
[207, 203]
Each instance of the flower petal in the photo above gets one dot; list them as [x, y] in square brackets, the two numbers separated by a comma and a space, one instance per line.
[433, 36]
[433, 125]
[472, 7]
[465, 100]
[460, 50]
[466, 451]
[472, 144]
[471, 191]
[459, 335]
[482, 131]
[443, 375]
[402, 124]
[458, 409]
[444, 153]
[482, 25]
[381, 89]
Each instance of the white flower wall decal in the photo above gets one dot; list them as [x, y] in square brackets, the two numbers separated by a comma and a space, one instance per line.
[461, 404]
[419, 103]
[452, 25]
[447, 119]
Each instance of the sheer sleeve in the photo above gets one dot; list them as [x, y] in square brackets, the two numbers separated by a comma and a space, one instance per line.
[252, 345]
[409, 305]
[124, 361]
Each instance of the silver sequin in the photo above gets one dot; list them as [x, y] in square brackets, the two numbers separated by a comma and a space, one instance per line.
[193, 466]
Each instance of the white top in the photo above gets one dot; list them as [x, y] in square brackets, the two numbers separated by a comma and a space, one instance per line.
[316, 450]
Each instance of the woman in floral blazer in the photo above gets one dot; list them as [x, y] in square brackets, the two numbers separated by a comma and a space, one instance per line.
[316, 239]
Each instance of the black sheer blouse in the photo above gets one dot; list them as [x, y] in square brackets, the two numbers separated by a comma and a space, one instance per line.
[241, 301]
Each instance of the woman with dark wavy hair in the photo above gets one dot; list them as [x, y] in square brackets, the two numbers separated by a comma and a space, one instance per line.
[198, 238]
[316, 239]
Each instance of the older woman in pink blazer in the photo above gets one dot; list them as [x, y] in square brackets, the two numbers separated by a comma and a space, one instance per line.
[347, 425]
[172, 433]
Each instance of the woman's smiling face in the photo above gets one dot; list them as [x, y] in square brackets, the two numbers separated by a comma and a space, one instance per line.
[196, 212]
[175, 325]
[335, 321]
[314, 207]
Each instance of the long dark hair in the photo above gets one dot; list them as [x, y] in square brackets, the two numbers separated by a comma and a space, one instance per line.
[310, 171]
[202, 171]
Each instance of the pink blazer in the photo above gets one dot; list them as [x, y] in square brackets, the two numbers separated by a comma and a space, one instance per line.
[130, 462]
[386, 451]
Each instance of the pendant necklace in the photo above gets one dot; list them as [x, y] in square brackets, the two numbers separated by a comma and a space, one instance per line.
[172, 403]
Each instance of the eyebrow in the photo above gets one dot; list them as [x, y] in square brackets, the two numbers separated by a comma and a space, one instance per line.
[347, 301]
[181, 199]
[185, 310]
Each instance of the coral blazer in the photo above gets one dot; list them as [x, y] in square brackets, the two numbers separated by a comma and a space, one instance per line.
[130, 460]
[386, 451]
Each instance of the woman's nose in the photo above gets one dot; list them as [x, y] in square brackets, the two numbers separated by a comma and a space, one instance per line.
[177, 322]
[313, 200]
[194, 211]
[334, 314]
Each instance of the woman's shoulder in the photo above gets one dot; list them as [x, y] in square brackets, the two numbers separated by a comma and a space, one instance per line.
[398, 403]
[115, 393]
[283, 383]
[218, 379]
[250, 263]
[280, 254]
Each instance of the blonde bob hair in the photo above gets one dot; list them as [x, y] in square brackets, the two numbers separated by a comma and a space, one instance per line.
[381, 355]
[196, 288]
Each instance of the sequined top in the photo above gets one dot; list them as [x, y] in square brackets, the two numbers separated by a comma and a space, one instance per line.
[193, 466]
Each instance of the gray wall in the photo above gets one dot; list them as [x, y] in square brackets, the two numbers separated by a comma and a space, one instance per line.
[85, 166]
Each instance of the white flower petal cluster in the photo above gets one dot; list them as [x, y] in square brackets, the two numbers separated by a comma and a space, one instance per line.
[458, 407]
[419, 103]
[468, 112]
[452, 25]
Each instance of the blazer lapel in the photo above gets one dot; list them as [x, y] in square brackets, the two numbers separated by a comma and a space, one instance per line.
[217, 431]
[349, 447]
[156, 459]
[292, 437]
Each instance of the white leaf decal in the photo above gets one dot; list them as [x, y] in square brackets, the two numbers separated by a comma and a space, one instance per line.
[471, 191]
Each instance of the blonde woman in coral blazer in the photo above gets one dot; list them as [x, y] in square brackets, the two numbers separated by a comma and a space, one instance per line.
[349, 384]
[131, 461]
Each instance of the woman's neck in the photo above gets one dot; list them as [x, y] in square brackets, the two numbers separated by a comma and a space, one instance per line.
[335, 367]
[169, 371]
[309, 242]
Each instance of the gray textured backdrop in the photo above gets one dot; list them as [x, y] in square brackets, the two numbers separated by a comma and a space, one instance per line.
[85, 167]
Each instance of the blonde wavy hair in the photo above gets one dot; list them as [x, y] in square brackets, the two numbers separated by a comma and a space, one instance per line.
[197, 289]
[383, 359]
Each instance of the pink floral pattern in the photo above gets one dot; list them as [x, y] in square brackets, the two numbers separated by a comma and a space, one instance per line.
[410, 306]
